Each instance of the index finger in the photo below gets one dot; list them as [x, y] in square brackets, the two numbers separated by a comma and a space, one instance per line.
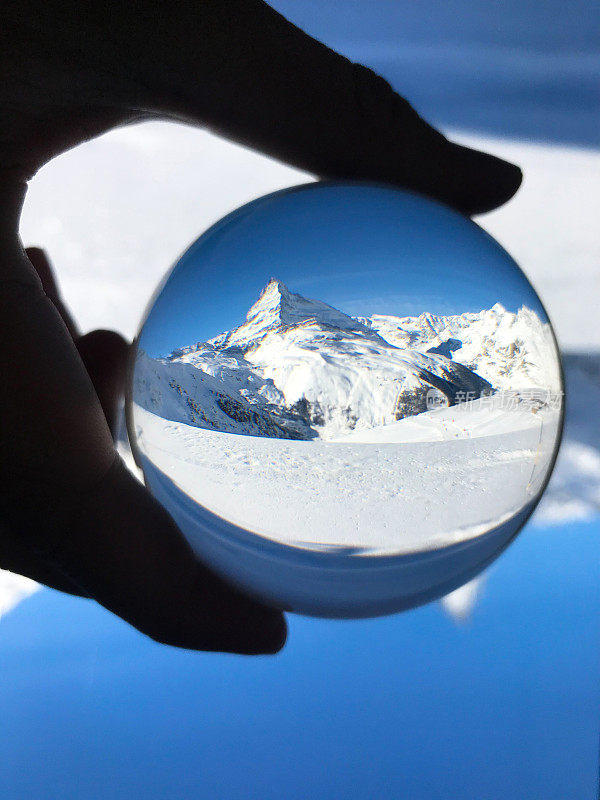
[247, 73]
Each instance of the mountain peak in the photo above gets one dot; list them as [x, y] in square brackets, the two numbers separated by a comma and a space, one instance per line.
[277, 305]
[272, 301]
[275, 286]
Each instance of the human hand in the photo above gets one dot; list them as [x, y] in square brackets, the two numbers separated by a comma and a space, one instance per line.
[72, 516]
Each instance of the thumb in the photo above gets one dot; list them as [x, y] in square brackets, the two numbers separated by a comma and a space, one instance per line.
[117, 544]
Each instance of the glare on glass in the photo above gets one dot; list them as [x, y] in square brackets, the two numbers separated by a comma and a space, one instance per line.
[349, 398]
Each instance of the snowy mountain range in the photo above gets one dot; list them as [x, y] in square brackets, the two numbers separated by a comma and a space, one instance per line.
[512, 351]
[300, 369]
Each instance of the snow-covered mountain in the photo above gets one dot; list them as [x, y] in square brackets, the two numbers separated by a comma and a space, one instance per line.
[301, 369]
[512, 351]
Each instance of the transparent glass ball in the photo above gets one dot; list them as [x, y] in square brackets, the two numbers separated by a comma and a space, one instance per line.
[349, 397]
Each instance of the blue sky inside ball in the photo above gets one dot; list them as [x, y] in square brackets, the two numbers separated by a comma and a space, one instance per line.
[363, 249]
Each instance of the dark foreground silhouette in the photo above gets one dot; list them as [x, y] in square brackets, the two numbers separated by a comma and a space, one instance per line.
[72, 516]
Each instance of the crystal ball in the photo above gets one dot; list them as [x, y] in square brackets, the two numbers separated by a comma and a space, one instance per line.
[348, 396]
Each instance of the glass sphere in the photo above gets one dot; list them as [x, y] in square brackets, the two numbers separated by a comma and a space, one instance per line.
[349, 397]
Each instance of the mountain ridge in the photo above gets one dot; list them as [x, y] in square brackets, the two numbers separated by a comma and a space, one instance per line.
[300, 368]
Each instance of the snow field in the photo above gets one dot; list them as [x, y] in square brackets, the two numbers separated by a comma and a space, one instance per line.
[378, 496]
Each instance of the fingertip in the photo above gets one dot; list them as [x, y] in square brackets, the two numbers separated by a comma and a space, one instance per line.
[517, 175]
[279, 636]
[41, 263]
[479, 182]
[36, 251]
[103, 345]
[505, 179]
[269, 636]
[514, 178]
[259, 634]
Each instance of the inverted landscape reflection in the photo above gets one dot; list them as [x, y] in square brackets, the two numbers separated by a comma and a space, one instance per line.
[286, 417]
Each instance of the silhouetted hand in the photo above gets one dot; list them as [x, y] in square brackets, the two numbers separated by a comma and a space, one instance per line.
[71, 514]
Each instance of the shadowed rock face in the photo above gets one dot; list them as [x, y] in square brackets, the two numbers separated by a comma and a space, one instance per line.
[446, 348]
[457, 383]
[456, 387]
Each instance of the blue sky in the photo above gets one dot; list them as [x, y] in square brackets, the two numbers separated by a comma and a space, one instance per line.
[364, 250]
[416, 705]
[520, 68]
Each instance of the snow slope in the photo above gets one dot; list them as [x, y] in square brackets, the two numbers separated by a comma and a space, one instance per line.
[497, 414]
[385, 495]
[301, 369]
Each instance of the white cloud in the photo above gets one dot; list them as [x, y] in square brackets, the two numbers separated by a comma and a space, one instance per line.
[14, 589]
[460, 603]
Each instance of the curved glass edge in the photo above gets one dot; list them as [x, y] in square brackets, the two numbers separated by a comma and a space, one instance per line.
[343, 610]
[328, 584]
